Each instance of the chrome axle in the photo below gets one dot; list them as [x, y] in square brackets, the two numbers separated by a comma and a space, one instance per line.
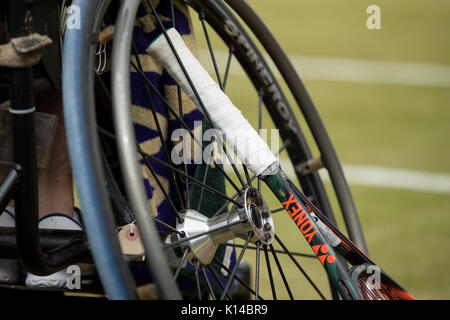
[203, 235]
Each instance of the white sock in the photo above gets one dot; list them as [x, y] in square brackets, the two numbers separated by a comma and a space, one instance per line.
[59, 221]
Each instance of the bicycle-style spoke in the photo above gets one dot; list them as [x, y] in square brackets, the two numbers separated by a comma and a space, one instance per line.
[180, 264]
[269, 271]
[200, 198]
[169, 227]
[227, 68]
[233, 273]
[258, 244]
[172, 13]
[180, 105]
[216, 278]
[299, 267]
[260, 99]
[247, 176]
[305, 255]
[211, 291]
[197, 280]
[245, 285]
[225, 205]
[186, 181]
[277, 210]
[211, 51]
[280, 269]
[231, 161]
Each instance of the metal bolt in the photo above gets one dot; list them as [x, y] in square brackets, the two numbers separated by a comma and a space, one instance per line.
[267, 226]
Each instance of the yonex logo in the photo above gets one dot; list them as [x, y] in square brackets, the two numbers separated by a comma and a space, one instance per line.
[321, 251]
[299, 216]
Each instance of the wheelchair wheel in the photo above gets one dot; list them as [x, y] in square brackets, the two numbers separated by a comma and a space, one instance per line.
[146, 114]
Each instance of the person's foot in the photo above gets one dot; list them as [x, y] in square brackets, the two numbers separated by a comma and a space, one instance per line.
[57, 279]
[9, 268]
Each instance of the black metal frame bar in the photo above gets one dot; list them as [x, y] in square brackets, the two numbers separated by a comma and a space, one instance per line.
[21, 183]
[49, 239]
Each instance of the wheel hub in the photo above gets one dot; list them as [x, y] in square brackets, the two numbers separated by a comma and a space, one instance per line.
[203, 235]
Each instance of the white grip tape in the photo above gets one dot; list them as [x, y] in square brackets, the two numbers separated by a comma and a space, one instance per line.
[238, 133]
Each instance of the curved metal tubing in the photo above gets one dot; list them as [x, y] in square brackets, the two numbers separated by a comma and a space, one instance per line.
[126, 142]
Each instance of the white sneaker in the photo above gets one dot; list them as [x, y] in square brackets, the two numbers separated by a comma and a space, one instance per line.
[9, 270]
[57, 279]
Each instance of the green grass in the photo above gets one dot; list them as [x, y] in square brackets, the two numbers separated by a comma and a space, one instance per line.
[395, 126]
[407, 234]
[412, 30]
[374, 124]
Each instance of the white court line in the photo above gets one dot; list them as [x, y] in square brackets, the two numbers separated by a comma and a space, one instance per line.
[398, 178]
[372, 71]
[374, 176]
[355, 70]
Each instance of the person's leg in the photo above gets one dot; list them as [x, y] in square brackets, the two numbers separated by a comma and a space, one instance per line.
[55, 194]
[55, 181]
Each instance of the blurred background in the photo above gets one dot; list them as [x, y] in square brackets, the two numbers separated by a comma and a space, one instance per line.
[384, 96]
